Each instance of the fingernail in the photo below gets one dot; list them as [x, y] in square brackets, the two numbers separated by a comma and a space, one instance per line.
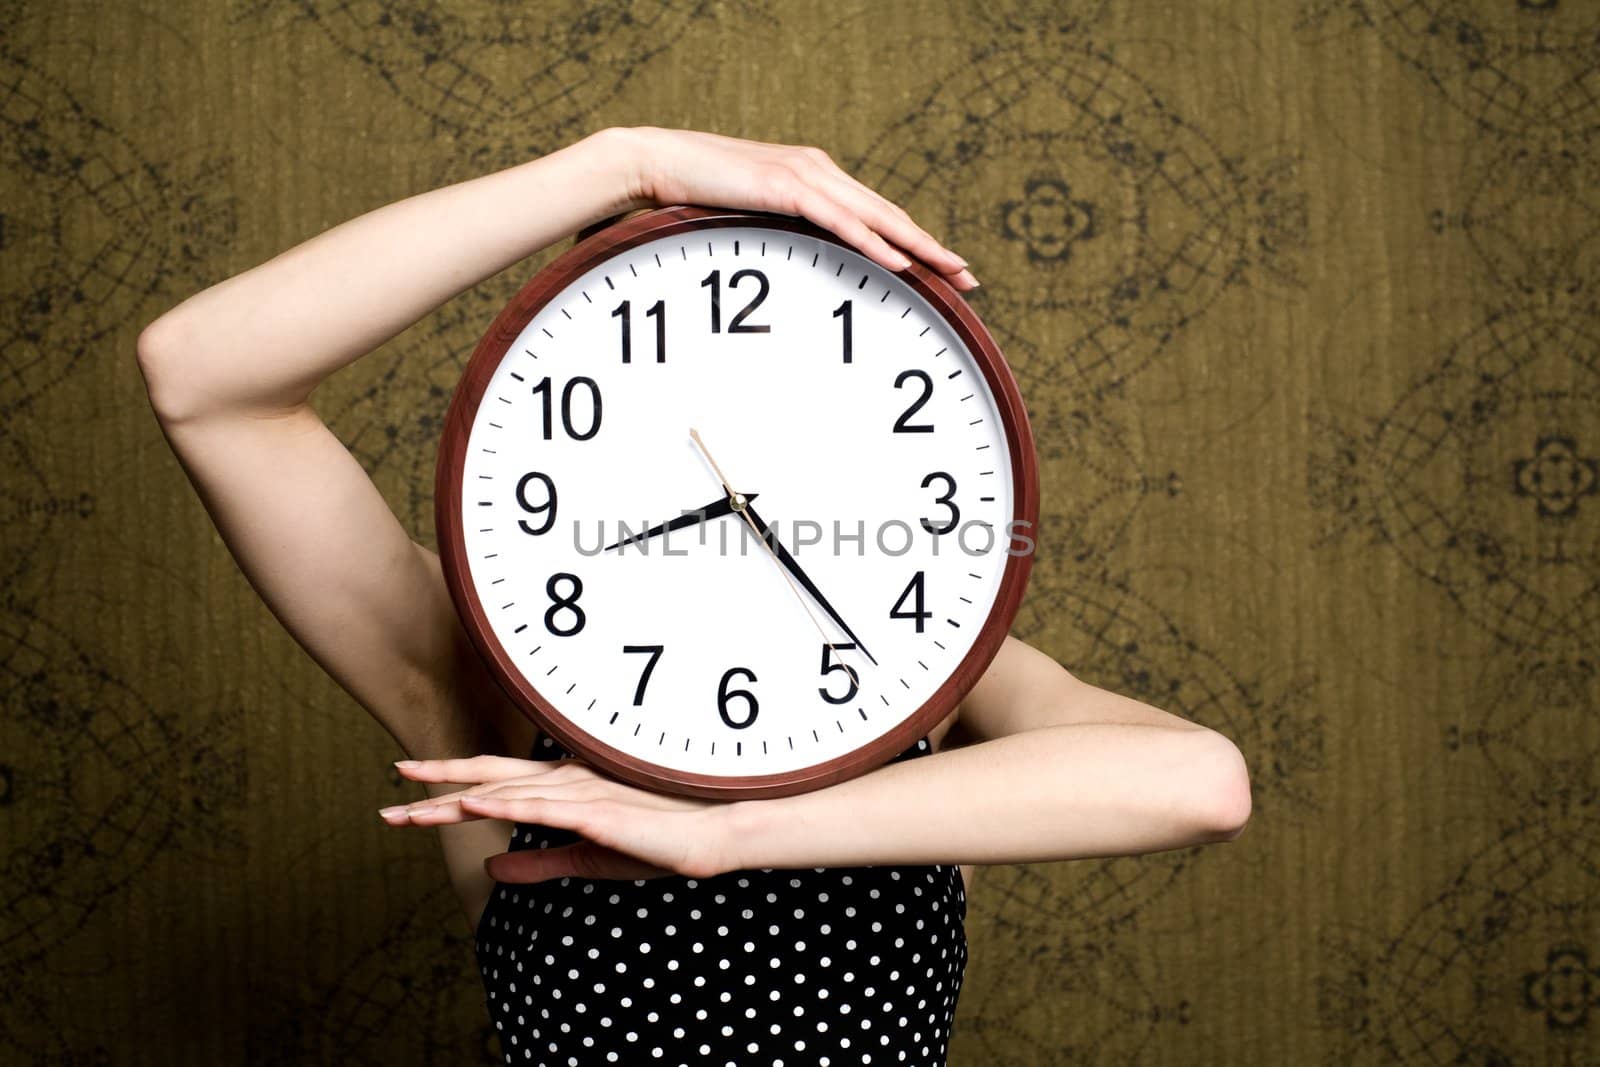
[420, 809]
[903, 262]
[966, 276]
[961, 262]
[408, 764]
[392, 813]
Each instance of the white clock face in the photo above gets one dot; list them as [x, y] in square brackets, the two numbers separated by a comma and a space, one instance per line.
[837, 401]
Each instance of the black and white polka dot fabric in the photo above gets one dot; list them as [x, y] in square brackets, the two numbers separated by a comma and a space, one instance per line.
[820, 967]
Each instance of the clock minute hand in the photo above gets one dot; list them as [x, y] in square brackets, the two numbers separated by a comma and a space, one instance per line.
[714, 510]
[741, 504]
[793, 567]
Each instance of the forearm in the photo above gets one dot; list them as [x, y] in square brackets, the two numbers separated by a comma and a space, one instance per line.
[1055, 793]
[268, 336]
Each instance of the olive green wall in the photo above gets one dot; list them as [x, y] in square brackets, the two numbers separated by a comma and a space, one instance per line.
[1302, 298]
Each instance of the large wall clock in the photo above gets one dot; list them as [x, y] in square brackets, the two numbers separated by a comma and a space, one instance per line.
[731, 511]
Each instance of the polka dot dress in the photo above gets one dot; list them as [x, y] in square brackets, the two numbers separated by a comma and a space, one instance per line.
[819, 966]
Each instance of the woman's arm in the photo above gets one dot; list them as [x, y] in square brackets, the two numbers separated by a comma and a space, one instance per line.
[1051, 769]
[294, 320]
[1047, 767]
[230, 372]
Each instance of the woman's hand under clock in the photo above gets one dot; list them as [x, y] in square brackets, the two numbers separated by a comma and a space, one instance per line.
[626, 832]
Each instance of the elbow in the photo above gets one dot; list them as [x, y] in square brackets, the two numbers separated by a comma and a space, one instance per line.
[168, 371]
[1226, 806]
[154, 353]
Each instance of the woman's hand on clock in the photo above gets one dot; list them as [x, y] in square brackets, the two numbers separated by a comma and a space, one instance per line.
[628, 832]
[691, 167]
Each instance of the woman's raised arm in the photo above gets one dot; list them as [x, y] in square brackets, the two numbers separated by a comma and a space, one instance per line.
[292, 321]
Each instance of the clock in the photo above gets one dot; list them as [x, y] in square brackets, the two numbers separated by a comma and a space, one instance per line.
[731, 511]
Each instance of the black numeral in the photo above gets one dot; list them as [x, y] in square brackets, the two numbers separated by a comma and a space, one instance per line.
[713, 281]
[658, 311]
[654, 652]
[852, 684]
[724, 694]
[917, 612]
[900, 424]
[843, 312]
[561, 603]
[548, 508]
[543, 390]
[948, 500]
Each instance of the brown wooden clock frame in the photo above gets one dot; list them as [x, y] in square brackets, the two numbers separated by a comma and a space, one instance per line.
[469, 393]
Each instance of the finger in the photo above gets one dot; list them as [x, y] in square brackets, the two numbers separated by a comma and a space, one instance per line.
[572, 789]
[428, 814]
[473, 769]
[887, 217]
[435, 809]
[833, 216]
[893, 221]
[582, 860]
[548, 775]
[896, 227]
[886, 222]
[593, 787]
[446, 807]
[575, 815]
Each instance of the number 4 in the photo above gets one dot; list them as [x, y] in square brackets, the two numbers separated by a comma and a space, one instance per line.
[917, 613]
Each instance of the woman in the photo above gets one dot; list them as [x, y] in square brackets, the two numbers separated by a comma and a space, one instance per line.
[842, 907]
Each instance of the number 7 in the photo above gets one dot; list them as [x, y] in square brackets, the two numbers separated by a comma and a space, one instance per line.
[644, 677]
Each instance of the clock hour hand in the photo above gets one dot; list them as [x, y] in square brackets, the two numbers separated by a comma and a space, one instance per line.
[792, 565]
[714, 510]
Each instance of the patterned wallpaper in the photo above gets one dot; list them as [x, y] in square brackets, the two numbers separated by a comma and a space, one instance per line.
[1302, 296]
